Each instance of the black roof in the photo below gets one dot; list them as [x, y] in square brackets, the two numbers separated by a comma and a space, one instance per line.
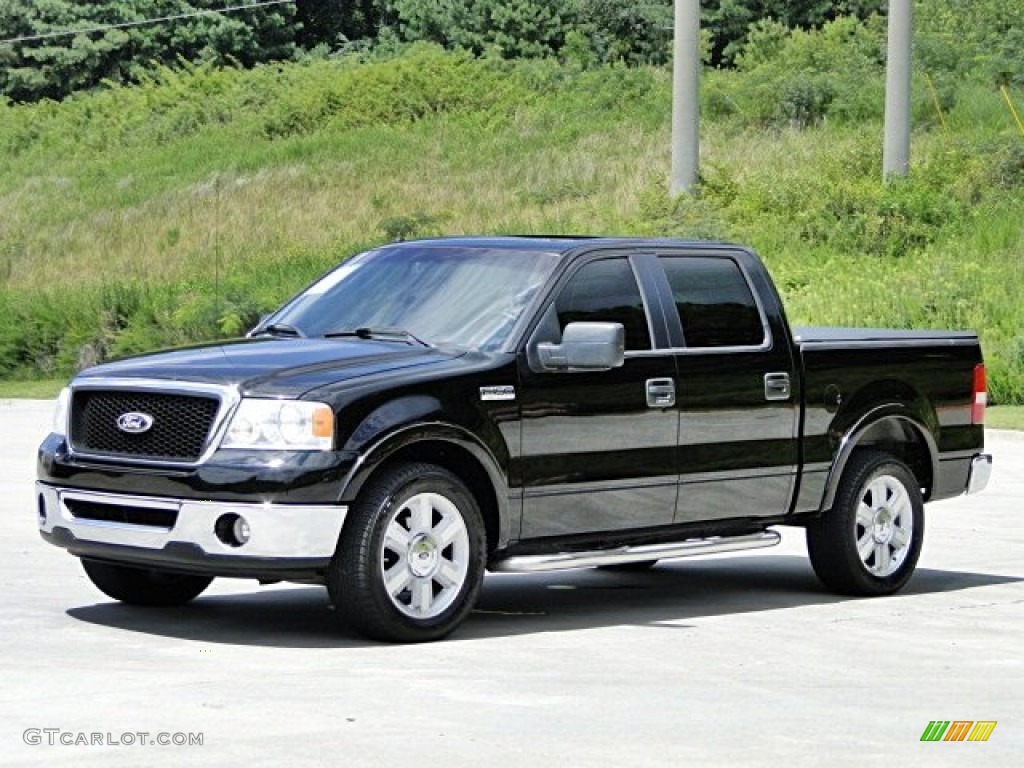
[558, 243]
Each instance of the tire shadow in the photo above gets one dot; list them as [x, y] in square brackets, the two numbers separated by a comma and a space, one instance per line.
[670, 594]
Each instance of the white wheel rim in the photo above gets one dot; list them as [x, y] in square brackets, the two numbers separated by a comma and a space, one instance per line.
[425, 555]
[884, 526]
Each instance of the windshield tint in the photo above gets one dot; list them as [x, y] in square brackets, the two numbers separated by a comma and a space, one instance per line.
[446, 295]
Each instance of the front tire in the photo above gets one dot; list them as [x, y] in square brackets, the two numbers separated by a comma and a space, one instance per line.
[138, 586]
[870, 541]
[410, 559]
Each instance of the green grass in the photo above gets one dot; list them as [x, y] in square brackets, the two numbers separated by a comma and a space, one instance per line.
[181, 209]
[1005, 417]
[45, 389]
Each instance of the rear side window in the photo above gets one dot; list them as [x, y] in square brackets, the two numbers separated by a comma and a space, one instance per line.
[605, 291]
[714, 302]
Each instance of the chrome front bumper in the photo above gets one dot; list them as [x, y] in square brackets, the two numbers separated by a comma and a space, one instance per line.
[277, 531]
[981, 471]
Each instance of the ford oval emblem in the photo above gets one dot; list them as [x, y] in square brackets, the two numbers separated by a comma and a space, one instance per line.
[134, 423]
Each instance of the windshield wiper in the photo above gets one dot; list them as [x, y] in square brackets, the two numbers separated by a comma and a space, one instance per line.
[280, 329]
[384, 334]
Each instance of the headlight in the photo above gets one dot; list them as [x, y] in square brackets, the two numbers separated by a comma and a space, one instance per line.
[60, 412]
[281, 425]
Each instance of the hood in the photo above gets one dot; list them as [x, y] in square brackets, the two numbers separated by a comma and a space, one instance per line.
[273, 367]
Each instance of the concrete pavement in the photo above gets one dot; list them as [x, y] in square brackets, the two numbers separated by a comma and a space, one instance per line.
[732, 660]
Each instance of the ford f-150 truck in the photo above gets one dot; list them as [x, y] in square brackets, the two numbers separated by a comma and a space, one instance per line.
[429, 410]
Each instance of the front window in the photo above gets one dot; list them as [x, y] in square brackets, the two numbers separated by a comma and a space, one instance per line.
[606, 291]
[468, 297]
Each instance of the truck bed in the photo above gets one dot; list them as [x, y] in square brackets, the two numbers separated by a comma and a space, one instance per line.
[924, 376]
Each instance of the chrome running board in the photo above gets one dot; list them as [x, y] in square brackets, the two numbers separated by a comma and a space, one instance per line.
[560, 560]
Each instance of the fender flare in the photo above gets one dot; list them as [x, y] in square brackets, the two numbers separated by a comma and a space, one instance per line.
[384, 448]
[853, 436]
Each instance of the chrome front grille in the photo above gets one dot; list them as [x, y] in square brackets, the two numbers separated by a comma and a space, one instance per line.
[179, 430]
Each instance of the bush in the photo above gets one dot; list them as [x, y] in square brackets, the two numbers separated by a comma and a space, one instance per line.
[790, 77]
[977, 39]
[425, 81]
[735, 24]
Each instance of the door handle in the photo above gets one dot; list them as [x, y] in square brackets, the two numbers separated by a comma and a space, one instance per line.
[661, 393]
[776, 386]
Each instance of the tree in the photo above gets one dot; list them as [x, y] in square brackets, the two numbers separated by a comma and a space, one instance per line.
[512, 28]
[333, 23]
[729, 20]
[53, 67]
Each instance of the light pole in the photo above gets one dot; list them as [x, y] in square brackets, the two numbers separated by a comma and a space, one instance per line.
[685, 97]
[896, 150]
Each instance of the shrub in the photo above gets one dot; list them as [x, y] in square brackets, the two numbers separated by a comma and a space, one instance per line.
[791, 77]
[971, 39]
[424, 81]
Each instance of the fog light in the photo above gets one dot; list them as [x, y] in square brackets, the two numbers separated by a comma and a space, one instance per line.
[232, 529]
[241, 530]
[42, 509]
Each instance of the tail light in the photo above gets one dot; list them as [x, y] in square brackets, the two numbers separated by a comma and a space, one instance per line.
[980, 395]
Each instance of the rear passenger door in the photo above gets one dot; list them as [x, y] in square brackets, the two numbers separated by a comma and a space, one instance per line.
[736, 388]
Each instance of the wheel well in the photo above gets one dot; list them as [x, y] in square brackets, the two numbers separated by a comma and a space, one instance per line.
[461, 463]
[901, 439]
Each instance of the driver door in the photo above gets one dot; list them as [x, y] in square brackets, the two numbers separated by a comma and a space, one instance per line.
[599, 447]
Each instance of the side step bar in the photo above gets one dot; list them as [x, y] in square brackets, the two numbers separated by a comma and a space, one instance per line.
[562, 560]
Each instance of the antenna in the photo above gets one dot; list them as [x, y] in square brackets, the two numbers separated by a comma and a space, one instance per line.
[216, 250]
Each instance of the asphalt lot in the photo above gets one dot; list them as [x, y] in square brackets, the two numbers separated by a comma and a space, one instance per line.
[731, 660]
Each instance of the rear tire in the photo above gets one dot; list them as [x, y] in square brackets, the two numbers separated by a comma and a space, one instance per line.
[139, 586]
[410, 559]
[869, 542]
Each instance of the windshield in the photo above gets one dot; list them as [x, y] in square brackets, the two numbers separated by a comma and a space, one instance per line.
[445, 295]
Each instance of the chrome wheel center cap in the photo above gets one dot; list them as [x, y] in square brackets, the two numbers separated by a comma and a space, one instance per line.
[423, 556]
[882, 527]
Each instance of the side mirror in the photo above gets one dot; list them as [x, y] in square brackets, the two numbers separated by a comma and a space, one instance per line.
[585, 347]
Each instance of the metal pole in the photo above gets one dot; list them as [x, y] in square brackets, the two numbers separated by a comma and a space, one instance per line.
[685, 97]
[896, 151]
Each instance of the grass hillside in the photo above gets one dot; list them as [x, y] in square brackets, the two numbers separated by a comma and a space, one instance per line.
[182, 208]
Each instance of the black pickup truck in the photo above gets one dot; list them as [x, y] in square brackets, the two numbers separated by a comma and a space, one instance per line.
[431, 409]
